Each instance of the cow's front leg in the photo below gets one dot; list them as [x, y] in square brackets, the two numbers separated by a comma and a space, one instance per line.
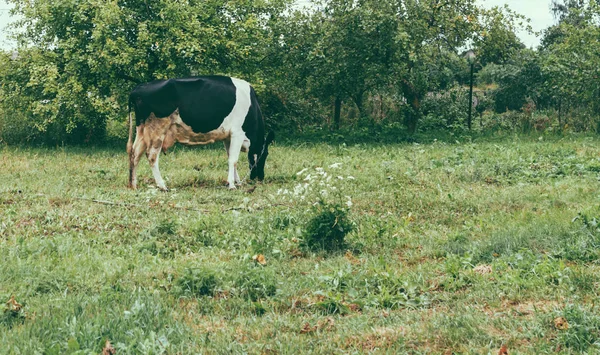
[153, 155]
[236, 177]
[234, 146]
[139, 147]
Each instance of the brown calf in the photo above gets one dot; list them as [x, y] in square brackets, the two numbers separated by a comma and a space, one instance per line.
[157, 134]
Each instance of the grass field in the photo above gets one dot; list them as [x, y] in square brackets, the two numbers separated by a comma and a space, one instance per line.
[455, 248]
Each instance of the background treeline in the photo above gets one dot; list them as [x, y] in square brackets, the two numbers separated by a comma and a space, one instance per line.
[364, 65]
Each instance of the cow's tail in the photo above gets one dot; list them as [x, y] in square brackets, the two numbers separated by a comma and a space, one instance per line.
[130, 141]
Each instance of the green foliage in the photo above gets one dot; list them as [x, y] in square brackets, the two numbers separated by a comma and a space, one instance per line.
[166, 227]
[332, 306]
[327, 229]
[373, 63]
[254, 283]
[197, 282]
[517, 81]
[497, 41]
[574, 86]
[583, 331]
[445, 110]
[78, 61]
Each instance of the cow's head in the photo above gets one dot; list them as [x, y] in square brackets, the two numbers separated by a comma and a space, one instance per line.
[259, 167]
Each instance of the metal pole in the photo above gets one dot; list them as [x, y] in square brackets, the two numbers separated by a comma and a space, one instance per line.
[470, 98]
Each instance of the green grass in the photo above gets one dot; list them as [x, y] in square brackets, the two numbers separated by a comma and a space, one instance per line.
[89, 260]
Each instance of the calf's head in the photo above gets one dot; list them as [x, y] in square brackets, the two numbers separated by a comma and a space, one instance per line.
[257, 168]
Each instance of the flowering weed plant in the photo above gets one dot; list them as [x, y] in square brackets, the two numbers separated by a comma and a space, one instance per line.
[329, 209]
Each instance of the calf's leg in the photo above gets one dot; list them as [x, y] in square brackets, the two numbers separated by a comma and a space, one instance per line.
[153, 155]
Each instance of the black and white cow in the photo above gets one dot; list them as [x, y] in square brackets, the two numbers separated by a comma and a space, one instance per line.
[193, 111]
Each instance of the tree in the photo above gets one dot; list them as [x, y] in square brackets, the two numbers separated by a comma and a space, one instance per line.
[341, 50]
[89, 54]
[431, 33]
[348, 49]
[566, 12]
[571, 57]
[496, 41]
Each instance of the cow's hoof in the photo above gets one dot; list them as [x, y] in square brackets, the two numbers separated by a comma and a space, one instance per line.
[231, 187]
[163, 189]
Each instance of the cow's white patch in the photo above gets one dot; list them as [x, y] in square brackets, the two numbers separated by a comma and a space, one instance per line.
[237, 116]
[233, 123]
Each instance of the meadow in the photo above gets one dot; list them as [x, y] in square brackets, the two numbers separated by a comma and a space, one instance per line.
[476, 246]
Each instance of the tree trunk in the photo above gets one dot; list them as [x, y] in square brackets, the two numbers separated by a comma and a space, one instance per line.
[414, 101]
[412, 116]
[358, 101]
[337, 109]
[560, 113]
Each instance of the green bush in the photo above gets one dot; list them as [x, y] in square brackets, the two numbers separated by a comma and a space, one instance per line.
[445, 110]
[327, 229]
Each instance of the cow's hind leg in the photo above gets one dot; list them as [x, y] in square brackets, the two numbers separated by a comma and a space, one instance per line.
[153, 155]
[139, 147]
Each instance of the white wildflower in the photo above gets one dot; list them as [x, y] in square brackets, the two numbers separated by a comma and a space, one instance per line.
[350, 177]
[302, 171]
[335, 165]
[308, 177]
[340, 177]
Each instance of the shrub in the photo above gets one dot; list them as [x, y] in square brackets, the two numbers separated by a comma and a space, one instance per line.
[328, 221]
[328, 228]
[445, 109]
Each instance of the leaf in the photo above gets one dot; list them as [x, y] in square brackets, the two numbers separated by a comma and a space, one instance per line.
[108, 349]
[307, 328]
[483, 269]
[351, 258]
[259, 258]
[326, 324]
[503, 350]
[13, 305]
[561, 323]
